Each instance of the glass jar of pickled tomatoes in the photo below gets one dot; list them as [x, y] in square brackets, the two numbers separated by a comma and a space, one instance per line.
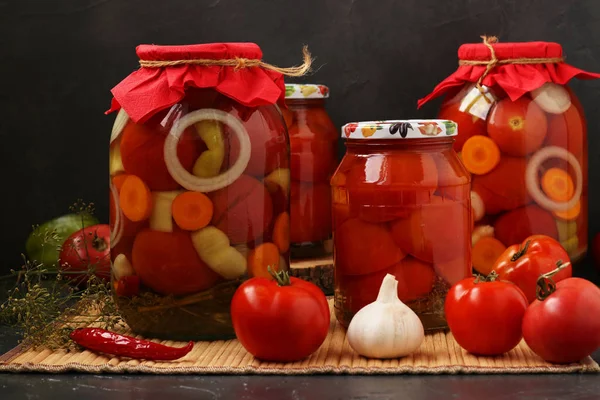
[523, 137]
[401, 206]
[198, 203]
[313, 152]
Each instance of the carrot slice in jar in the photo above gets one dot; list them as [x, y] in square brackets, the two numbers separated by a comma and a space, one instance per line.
[261, 258]
[135, 199]
[281, 232]
[118, 181]
[557, 184]
[480, 154]
[571, 213]
[192, 210]
[485, 253]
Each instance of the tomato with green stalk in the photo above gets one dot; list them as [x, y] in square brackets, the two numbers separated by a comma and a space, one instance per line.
[485, 314]
[282, 319]
[523, 264]
[561, 325]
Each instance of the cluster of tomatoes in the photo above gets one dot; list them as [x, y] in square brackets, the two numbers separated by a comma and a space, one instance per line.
[530, 295]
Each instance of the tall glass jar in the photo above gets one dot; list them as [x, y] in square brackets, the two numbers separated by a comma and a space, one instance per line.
[523, 136]
[401, 206]
[313, 144]
[197, 205]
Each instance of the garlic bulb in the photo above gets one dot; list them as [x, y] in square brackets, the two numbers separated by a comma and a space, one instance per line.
[386, 328]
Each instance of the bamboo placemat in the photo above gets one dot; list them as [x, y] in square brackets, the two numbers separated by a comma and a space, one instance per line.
[439, 354]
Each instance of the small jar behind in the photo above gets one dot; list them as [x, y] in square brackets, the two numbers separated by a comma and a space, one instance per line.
[401, 206]
[313, 144]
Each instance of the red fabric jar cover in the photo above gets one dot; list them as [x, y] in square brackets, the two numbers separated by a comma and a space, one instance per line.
[151, 89]
[514, 78]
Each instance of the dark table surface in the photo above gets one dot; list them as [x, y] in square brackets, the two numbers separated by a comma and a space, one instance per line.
[179, 387]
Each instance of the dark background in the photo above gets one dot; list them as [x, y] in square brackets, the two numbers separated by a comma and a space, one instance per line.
[60, 58]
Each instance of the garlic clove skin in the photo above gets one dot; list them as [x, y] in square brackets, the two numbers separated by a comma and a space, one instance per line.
[386, 328]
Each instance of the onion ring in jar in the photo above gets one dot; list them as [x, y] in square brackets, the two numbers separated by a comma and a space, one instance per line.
[120, 122]
[192, 182]
[531, 178]
[117, 232]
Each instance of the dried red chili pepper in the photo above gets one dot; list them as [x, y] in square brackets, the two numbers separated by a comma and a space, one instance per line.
[104, 341]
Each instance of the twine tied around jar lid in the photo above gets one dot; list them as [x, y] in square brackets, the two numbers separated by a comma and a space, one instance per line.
[493, 61]
[237, 63]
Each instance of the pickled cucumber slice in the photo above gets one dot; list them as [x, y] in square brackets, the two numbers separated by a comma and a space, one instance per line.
[115, 163]
[570, 245]
[213, 247]
[278, 178]
[161, 218]
[210, 161]
[566, 229]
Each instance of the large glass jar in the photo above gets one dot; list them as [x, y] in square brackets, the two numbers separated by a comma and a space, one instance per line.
[197, 207]
[523, 137]
[401, 206]
[313, 144]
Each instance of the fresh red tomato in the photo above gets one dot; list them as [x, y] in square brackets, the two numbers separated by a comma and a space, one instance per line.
[86, 250]
[523, 264]
[518, 127]
[485, 317]
[596, 249]
[281, 320]
[564, 326]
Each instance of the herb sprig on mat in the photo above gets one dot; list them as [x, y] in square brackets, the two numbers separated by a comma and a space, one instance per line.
[44, 306]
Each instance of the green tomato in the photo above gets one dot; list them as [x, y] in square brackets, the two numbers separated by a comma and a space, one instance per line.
[43, 244]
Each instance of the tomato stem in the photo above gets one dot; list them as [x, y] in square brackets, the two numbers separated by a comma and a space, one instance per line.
[281, 277]
[545, 284]
[521, 252]
[491, 277]
[99, 243]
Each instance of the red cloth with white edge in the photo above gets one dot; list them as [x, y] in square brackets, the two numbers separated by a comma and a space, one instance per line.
[149, 90]
[514, 79]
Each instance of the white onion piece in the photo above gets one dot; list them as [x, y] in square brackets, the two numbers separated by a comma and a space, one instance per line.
[531, 178]
[477, 205]
[119, 125]
[552, 98]
[121, 267]
[192, 182]
[480, 232]
[117, 232]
